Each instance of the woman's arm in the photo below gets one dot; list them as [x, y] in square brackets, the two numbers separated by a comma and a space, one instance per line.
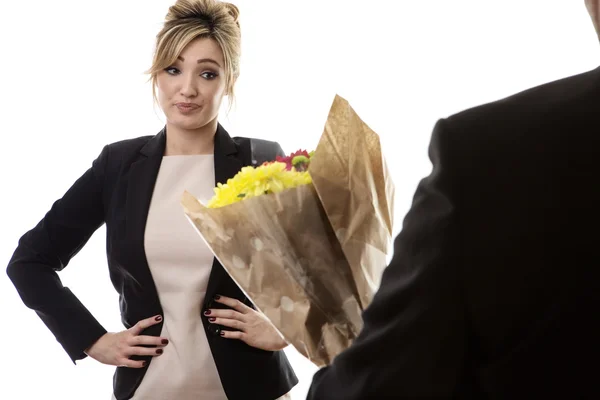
[48, 248]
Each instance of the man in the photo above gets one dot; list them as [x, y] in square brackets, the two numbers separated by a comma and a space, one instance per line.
[494, 288]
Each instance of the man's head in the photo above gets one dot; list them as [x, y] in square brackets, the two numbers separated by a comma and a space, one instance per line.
[593, 7]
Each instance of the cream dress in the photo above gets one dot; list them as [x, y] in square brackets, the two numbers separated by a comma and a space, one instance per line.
[180, 263]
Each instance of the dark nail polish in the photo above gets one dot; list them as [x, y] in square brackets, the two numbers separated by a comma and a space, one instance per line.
[217, 297]
[164, 341]
[212, 319]
[207, 312]
[222, 333]
[159, 351]
[144, 363]
[159, 318]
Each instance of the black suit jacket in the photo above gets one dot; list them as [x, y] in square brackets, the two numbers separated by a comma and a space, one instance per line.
[117, 190]
[494, 288]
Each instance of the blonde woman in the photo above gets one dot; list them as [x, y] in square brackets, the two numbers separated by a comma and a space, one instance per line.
[190, 332]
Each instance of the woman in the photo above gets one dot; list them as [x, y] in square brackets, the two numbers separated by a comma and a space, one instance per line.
[191, 333]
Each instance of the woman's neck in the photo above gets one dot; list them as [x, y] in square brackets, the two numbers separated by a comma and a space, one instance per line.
[182, 142]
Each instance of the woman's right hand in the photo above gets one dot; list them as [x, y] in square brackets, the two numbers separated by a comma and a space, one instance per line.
[116, 348]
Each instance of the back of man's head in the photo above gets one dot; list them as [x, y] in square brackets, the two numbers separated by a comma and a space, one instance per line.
[593, 7]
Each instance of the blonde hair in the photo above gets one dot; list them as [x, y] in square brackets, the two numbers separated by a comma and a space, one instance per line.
[188, 20]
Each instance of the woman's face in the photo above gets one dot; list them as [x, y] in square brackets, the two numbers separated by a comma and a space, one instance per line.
[191, 90]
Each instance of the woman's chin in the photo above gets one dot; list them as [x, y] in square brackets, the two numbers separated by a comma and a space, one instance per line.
[188, 125]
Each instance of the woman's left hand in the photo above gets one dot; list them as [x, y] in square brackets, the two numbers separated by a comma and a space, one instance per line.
[253, 327]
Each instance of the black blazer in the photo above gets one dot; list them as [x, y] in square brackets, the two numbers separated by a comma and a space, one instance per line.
[494, 288]
[117, 190]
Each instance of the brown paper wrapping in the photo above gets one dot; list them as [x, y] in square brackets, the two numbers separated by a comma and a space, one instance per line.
[311, 258]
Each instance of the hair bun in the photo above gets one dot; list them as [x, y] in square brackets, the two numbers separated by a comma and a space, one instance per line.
[233, 11]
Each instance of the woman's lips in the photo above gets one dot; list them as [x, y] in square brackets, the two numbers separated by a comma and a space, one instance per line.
[187, 108]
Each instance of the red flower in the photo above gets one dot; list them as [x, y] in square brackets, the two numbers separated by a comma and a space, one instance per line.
[288, 161]
[301, 165]
[300, 153]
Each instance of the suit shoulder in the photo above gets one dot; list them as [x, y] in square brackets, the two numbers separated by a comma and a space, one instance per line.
[546, 120]
[129, 146]
[116, 154]
[539, 102]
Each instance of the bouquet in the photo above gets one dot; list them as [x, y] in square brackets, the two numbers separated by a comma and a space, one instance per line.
[271, 177]
[306, 236]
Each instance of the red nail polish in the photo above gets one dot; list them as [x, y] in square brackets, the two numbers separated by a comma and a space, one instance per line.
[159, 351]
[222, 333]
[217, 297]
[159, 318]
[164, 341]
[212, 319]
[144, 363]
[207, 312]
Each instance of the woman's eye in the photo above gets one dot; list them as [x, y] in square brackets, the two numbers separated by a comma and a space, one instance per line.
[172, 71]
[208, 75]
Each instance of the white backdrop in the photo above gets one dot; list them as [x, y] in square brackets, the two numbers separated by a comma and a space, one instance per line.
[71, 80]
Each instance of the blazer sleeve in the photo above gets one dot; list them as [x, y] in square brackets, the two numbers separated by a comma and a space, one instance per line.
[413, 341]
[48, 247]
[279, 151]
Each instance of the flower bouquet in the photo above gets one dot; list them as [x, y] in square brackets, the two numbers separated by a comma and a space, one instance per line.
[306, 236]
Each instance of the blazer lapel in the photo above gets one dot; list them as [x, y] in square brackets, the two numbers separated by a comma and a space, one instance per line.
[142, 178]
[228, 162]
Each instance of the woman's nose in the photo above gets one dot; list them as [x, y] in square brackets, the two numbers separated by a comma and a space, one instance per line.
[188, 88]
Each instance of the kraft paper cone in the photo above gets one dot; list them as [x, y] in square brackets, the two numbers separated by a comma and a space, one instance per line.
[311, 257]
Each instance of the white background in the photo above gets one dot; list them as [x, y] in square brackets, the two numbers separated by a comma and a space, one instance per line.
[71, 80]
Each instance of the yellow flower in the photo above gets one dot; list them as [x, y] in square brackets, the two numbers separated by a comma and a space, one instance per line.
[252, 182]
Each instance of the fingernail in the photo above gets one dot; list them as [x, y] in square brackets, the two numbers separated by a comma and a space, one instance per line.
[158, 318]
[159, 351]
[212, 319]
[164, 341]
[217, 297]
[144, 363]
[207, 312]
[222, 333]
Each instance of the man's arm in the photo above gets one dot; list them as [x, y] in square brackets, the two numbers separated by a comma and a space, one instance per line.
[413, 340]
